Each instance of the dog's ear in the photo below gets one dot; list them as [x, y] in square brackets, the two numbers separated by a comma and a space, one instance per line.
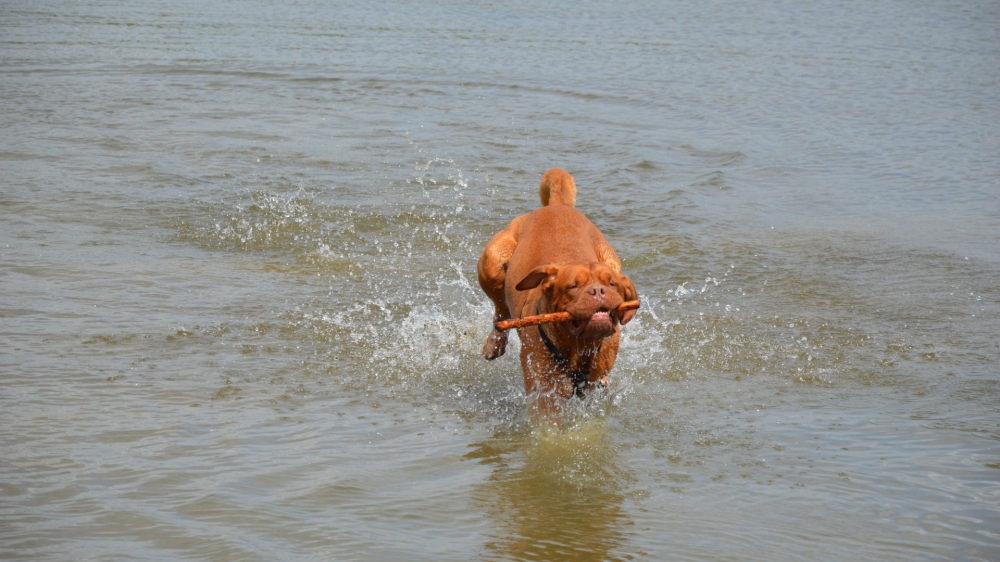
[629, 294]
[537, 275]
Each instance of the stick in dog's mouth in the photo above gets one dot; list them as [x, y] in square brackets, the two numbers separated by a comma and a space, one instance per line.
[558, 317]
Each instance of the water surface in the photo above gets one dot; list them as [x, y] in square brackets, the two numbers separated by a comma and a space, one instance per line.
[240, 320]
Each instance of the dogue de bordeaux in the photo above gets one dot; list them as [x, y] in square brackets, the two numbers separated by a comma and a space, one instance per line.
[554, 259]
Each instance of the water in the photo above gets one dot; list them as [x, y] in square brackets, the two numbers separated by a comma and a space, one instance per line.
[239, 315]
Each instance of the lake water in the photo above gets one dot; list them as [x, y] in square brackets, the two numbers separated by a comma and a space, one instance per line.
[239, 316]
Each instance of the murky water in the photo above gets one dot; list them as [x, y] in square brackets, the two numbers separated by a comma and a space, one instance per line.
[239, 316]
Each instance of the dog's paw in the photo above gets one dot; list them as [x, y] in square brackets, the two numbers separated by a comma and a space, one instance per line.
[496, 344]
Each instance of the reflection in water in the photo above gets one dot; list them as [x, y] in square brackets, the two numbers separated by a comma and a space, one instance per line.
[554, 495]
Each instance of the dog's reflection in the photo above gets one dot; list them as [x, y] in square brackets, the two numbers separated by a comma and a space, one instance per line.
[555, 495]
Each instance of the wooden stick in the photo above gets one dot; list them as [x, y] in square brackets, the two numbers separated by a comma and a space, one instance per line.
[553, 317]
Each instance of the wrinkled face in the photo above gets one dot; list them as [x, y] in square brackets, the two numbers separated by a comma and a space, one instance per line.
[590, 292]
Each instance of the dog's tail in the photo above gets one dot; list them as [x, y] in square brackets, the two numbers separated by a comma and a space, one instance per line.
[557, 188]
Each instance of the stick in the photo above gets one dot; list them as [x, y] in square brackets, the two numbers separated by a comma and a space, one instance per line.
[553, 317]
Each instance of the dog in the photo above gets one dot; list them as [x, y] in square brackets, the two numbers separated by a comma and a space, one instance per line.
[554, 259]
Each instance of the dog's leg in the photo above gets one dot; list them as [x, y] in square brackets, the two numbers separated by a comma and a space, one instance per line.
[545, 383]
[605, 361]
[492, 273]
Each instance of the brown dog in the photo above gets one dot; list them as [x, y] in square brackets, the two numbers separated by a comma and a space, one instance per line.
[553, 260]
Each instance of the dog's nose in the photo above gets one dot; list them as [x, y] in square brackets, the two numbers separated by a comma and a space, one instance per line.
[598, 291]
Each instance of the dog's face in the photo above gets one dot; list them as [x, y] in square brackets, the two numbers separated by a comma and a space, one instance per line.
[590, 292]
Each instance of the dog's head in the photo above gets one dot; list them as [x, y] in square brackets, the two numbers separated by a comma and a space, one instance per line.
[590, 292]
